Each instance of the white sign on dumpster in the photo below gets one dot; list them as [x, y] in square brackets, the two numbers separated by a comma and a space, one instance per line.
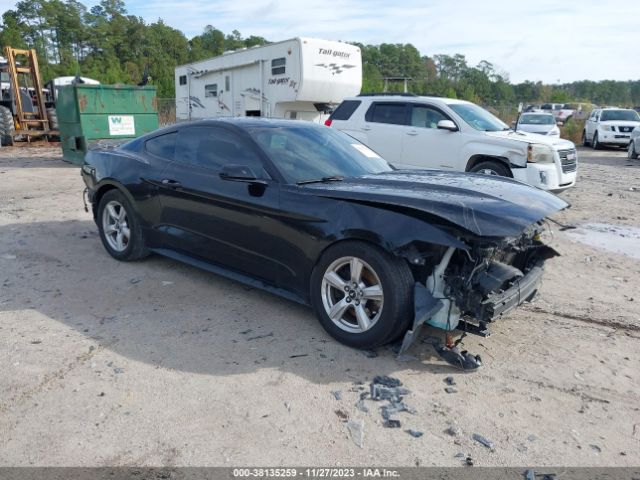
[121, 125]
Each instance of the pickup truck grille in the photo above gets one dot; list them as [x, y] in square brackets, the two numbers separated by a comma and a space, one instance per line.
[625, 129]
[568, 164]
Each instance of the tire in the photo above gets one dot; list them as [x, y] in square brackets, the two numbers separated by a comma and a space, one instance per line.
[389, 310]
[595, 144]
[631, 151]
[52, 116]
[7, 126]
[113, 226]
[491, 167]
[585, 142]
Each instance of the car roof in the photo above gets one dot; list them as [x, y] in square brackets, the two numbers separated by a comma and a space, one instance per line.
[538, 113]
[409, 98]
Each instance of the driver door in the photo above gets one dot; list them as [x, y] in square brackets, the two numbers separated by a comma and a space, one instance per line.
[220, 220]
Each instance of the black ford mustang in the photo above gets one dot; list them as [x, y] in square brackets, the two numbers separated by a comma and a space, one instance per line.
[309, 213]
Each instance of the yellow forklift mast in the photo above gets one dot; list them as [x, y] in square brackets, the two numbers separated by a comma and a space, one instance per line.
[27, 100]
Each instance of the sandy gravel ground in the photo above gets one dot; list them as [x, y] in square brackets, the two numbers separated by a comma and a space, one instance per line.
[157, 363]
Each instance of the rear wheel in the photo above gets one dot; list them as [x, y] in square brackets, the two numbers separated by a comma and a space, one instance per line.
[362, 295]
[7, 126]
[119, 227]
[491, 167]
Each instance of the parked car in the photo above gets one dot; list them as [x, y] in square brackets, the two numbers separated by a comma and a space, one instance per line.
[633, 151]
[444, 133]
[309, 213]
[540, 123]
[610, 126]
[562, 112]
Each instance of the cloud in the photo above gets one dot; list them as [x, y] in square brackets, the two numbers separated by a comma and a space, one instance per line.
[539, 40]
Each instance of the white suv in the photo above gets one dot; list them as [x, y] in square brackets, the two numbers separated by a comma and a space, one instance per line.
[610, 126]
[431, 132]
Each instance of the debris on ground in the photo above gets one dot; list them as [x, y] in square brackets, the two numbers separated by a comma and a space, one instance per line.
[469, 461]
[133, 281]
[391, 423]
[337, 394]
[414, 433]
[453, 429]
[356, 430]
[389, 389]
[596, 448]
[449, 381]
[369, 353]
[387, 381]
[342, 415]
[361, 406]
[287, 405]
[459, 455]
[260, 336]
[484, 441]
[451, 390]
[299, 355]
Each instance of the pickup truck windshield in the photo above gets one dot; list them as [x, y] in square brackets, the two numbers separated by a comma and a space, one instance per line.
[478, 118]
[625, 115]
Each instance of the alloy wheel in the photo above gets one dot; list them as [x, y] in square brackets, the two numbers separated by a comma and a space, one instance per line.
[115, 226]
[352, 294]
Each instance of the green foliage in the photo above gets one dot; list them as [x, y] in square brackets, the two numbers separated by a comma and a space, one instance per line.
[111, 46]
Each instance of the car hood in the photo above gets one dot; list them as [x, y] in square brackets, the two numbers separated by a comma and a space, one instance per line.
[519, 136]
[535, 128]
[481, 204]
[622, 123]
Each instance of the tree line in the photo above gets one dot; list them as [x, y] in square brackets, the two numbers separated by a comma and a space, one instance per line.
[106, 43]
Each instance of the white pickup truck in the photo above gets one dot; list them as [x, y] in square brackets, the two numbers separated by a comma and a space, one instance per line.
[430, 132]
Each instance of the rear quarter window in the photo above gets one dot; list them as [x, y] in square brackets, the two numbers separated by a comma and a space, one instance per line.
[345, 110]
[392, 113]
[163, 146]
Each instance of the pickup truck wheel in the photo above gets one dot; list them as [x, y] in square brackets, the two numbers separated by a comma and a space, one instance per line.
[585, 142]
[119, 227]
[491, 167]
[631, 151]
[362, 295]
[595, 144]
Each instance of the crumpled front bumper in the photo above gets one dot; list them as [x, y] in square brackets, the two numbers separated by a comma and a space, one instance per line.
[524, 289]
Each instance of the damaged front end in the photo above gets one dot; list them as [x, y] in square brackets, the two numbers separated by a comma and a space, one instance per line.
[466, 289]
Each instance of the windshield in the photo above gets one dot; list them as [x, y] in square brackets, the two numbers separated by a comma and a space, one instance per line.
[303, 153]
[626, 115]
[537, 120]
[478, 118]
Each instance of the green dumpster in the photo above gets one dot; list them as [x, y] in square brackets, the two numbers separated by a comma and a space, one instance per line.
[88, 113]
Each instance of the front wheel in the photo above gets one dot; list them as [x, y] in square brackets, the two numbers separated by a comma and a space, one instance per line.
[595, 143]
[631, 151]
[491, 167]
[585, 141]
[119, 227]
[362, 295]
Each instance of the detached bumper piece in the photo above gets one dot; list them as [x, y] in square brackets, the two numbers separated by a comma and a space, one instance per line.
[524, 289]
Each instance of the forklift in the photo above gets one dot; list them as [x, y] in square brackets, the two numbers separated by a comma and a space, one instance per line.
[27, 110]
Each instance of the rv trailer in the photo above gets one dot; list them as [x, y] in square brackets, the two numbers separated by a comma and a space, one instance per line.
[300, 78]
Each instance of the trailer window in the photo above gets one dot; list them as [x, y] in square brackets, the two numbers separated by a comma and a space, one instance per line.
[278, 66]
[211, 90]
[183, 79]
[227, 83]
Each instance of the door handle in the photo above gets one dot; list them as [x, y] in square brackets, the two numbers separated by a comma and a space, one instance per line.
[167, 182]
[412, 133]
[366, 128]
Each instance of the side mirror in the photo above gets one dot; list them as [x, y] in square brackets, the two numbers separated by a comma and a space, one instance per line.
[447, 125]
[240, 173]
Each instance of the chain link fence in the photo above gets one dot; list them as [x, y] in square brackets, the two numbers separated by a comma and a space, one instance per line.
[166, 111]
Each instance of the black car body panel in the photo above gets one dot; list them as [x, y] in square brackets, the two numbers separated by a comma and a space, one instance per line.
[270, 233]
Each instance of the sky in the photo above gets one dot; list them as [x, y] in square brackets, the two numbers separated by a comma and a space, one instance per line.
[548, 40]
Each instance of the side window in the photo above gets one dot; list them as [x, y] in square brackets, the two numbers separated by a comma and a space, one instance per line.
[211, 90]
[213, 148]
[227, 84]
[183, 79]
[278, 66]
[345, 110]
[393, 113]
[426, 117]
[163, 146]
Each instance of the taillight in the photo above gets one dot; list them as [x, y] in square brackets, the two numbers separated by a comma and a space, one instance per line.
[327, 122]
